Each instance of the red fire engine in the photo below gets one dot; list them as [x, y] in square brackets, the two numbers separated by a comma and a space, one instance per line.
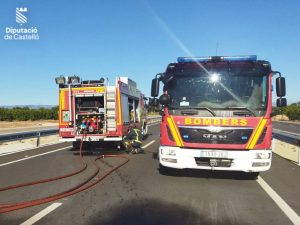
[216, 113]
[99, 112]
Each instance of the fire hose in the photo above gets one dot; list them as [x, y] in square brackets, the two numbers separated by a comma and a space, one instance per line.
[8, 207]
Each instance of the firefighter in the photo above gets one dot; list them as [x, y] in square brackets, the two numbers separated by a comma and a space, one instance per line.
[132, 115]
[133, 140]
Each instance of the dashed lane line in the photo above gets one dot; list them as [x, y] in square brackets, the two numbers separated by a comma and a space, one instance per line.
[27, 149]
[153, 124]
[147, 145]
[288, 211]
[42, 214]
[34, 156]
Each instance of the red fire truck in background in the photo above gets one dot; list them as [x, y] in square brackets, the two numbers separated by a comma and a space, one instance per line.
[216, 113]
[94, 111]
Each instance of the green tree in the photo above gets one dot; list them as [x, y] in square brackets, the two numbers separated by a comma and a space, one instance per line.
[293, 111]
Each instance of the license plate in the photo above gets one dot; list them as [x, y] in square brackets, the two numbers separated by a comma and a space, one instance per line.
[214, 154]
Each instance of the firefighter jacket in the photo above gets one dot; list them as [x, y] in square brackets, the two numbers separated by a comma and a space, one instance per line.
[135, 135]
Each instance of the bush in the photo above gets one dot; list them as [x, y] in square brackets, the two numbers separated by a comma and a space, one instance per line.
[293, 111]
[276, 111]
[25, 113]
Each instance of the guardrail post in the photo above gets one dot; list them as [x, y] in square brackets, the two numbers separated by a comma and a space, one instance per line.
[38, 139]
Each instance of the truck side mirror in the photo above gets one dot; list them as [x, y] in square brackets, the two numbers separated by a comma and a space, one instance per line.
[164, 100]
[280, 86]
[281, 102]
[155, 87]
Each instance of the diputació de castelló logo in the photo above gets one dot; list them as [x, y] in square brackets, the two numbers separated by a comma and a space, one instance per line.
[20, 15]
[22, 31]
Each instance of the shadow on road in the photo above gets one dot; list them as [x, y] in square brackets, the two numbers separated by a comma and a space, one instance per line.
[215, 174]
[91, 148]
[151, 212]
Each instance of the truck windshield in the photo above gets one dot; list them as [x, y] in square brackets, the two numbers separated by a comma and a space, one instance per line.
[218, 91]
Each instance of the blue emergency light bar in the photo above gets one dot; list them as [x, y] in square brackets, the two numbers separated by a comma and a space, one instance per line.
[243, 58]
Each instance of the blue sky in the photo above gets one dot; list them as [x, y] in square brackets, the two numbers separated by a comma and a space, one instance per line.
[138, 38]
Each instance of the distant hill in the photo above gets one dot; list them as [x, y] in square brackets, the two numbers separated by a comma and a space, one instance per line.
[29, 106]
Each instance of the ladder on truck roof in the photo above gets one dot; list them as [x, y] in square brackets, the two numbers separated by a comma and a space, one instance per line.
[111, 123]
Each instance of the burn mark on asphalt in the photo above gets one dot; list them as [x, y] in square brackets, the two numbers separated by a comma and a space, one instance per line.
[150, 212]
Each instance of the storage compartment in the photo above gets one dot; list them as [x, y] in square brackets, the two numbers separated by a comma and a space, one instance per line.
[90, 114]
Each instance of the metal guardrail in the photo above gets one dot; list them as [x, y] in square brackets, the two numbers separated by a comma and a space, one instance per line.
[28, 134]
[286, 137]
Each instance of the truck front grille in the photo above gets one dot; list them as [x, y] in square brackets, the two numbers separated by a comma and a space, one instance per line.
[215, 135]
[203, 161]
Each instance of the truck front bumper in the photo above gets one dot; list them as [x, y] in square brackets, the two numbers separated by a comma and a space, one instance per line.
[210, 159]
[91, 138]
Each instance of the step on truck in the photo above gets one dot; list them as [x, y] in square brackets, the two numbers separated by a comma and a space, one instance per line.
[216, 113]
[94, 111]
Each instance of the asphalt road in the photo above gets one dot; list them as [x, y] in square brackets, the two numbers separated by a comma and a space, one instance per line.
[292, 128]
[139, 194]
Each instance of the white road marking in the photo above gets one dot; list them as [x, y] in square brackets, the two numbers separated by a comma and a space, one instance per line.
[147, 145]
[286, 132]
[41, 214]
[3, 153]
[34, 156]
[152, 124]
[288, 211]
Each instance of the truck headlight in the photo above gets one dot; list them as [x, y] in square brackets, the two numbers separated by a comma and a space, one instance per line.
[260, 164]
[262, 155]
[167, 151]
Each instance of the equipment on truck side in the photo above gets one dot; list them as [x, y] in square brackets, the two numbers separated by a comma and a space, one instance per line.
[100, 111]
[216, 113]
